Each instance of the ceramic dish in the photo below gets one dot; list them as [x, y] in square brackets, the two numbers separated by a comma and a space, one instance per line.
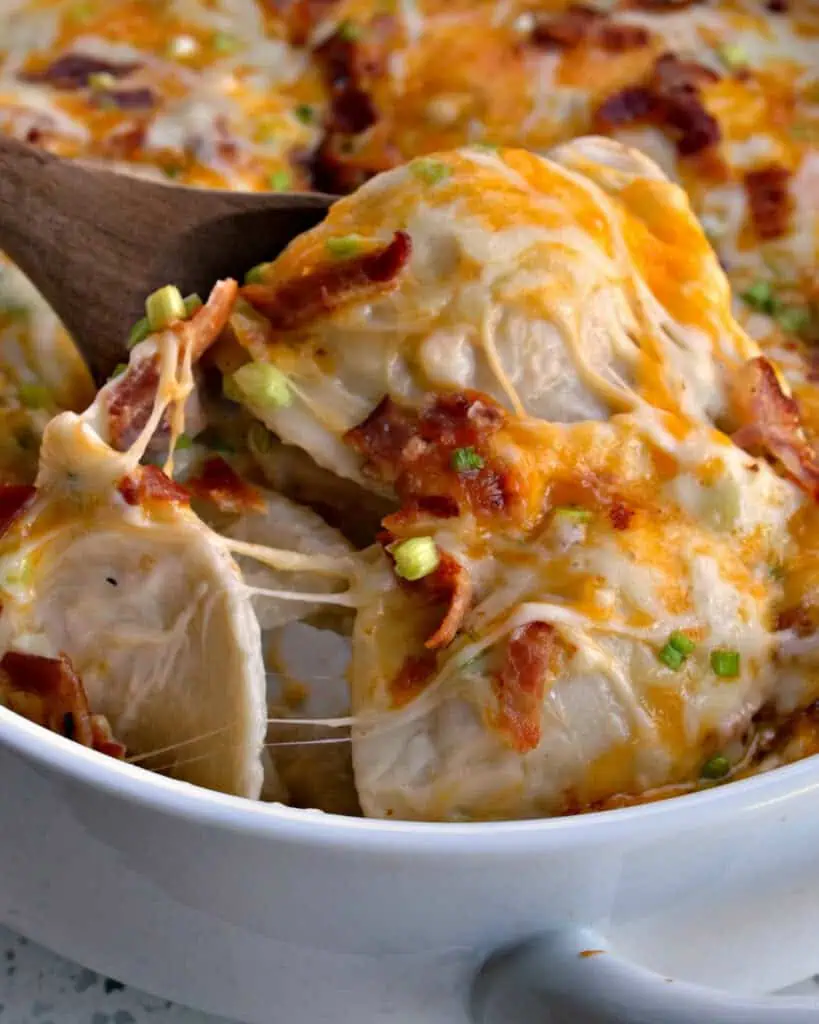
[266, 913]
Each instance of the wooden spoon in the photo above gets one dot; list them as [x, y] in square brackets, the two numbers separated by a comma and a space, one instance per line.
[95, 243]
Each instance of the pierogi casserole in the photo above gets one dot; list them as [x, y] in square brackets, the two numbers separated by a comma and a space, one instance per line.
[496, 494]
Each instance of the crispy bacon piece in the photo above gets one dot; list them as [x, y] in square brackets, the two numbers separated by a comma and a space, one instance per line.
[451, 583]
[49, 692]
[769, 200]
[13, 500]
[413, 450]
[620, 514]
[141, 98]
[771, 424]
[532, 659]
[74, 70]
[130, 402]
[331, 285]
[351, 67]
[132, 395]
[149, 484]
[220, 484]
[415, 673]
[581, 24]
[340, 165]
[670, 99]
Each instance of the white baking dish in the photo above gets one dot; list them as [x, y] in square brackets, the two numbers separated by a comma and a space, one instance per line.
[269, 914]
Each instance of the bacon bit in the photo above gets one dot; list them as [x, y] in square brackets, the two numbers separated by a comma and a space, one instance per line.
[771, 424]
[150, 484]
[414, 675]
[132, 395]
[777, 6]
[620, 515]
[798, 619]
[426, 482]
[532, 657]
[73, 71]
[671, 99]
[49, 692]
[127, 99]
[130, 402]
[450, 582]
[581, 24]
[340, 165]
[220, 484]
[769, 200]
[13, 500]
[331, 285]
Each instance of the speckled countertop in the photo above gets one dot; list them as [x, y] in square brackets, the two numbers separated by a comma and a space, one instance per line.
[37, 987]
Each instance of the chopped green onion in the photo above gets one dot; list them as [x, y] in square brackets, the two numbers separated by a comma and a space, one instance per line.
[776, 572]
[100, 81]
[671, 657]
[430, 171]
[676, 650]
[760, 296]
[263, 385]
[343, 247]
[349, 31]
[256, 274]
[465, 460]
[193, 303]
[224, 42]
[485, 147]
[716, 767]
[139, 332]
[182, 443]
[118, 370]
[793, 319]
[304, 113]
[725, 663]
[164, 306]
[415, 558]
[280, 181]
[682, 643]
[573, 513]
[171, 171]
[34, 396]
[733, 56]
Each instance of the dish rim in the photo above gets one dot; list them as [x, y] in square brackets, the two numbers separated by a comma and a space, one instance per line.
[314, 828]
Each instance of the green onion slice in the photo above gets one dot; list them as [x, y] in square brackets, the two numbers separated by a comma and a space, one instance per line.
[725, 663]
[465, 460]
[263, 385]
[573, 513]
[716, 767]
[431, 172]
[415, 558]
[343, 247]
[164, 306]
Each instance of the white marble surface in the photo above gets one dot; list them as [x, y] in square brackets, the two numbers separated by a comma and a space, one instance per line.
[37, 987]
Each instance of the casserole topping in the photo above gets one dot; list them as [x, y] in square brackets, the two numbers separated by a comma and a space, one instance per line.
[555, 391]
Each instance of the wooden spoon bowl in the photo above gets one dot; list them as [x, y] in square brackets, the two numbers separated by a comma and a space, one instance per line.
[95, 243]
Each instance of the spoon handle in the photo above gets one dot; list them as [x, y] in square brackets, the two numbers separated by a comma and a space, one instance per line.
[95, 243]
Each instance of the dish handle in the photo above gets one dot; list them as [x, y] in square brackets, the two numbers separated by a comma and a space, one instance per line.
[573, 977]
